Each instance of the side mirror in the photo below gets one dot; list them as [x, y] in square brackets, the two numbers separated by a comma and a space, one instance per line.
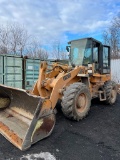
[67, 48]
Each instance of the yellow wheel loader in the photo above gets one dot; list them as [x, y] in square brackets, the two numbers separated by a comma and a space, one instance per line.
[27, 117]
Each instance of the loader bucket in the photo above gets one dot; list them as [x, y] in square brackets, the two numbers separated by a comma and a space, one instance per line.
[20, 117]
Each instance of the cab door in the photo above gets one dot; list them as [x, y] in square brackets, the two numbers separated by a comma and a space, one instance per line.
[106, 60]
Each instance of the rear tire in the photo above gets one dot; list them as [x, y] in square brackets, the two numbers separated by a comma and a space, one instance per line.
[76, 101]
[110, 88]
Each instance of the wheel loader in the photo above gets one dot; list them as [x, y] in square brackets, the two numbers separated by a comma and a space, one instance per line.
[27, 117]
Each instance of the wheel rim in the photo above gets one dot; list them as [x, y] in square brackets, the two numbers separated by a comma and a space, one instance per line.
[81, 102]
[113, 95]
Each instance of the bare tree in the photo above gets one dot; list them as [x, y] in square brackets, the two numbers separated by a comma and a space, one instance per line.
[4, 38]
[58, 51]
[19, 38]
[111, 37]
[42, 54]
[13, 39]
[35, 50]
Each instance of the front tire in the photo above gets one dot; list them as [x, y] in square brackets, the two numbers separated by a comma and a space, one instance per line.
[76, 101]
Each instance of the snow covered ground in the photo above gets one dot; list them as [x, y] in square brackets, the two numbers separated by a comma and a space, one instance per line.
[41, 155]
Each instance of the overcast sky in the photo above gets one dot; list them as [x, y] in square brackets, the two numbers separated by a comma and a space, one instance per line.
[60, 19]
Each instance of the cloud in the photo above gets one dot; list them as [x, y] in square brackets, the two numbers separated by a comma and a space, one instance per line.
[50, 19]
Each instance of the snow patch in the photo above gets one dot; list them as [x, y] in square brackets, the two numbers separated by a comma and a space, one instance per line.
[42, 155]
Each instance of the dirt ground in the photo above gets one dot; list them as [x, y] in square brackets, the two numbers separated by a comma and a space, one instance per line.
[97, 137]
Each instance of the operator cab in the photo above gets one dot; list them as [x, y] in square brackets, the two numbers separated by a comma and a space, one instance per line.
[88, 51]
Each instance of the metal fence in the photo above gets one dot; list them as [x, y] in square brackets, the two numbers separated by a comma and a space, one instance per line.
[115, 70]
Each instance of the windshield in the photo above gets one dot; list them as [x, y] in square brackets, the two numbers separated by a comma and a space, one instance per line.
[81, 52]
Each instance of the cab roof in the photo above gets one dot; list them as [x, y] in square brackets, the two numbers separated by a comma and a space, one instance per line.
[85, 38]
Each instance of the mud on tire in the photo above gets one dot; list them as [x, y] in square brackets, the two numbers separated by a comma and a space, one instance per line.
[76, 101]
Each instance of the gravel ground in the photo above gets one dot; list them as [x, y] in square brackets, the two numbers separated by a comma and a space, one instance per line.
[97, 137]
